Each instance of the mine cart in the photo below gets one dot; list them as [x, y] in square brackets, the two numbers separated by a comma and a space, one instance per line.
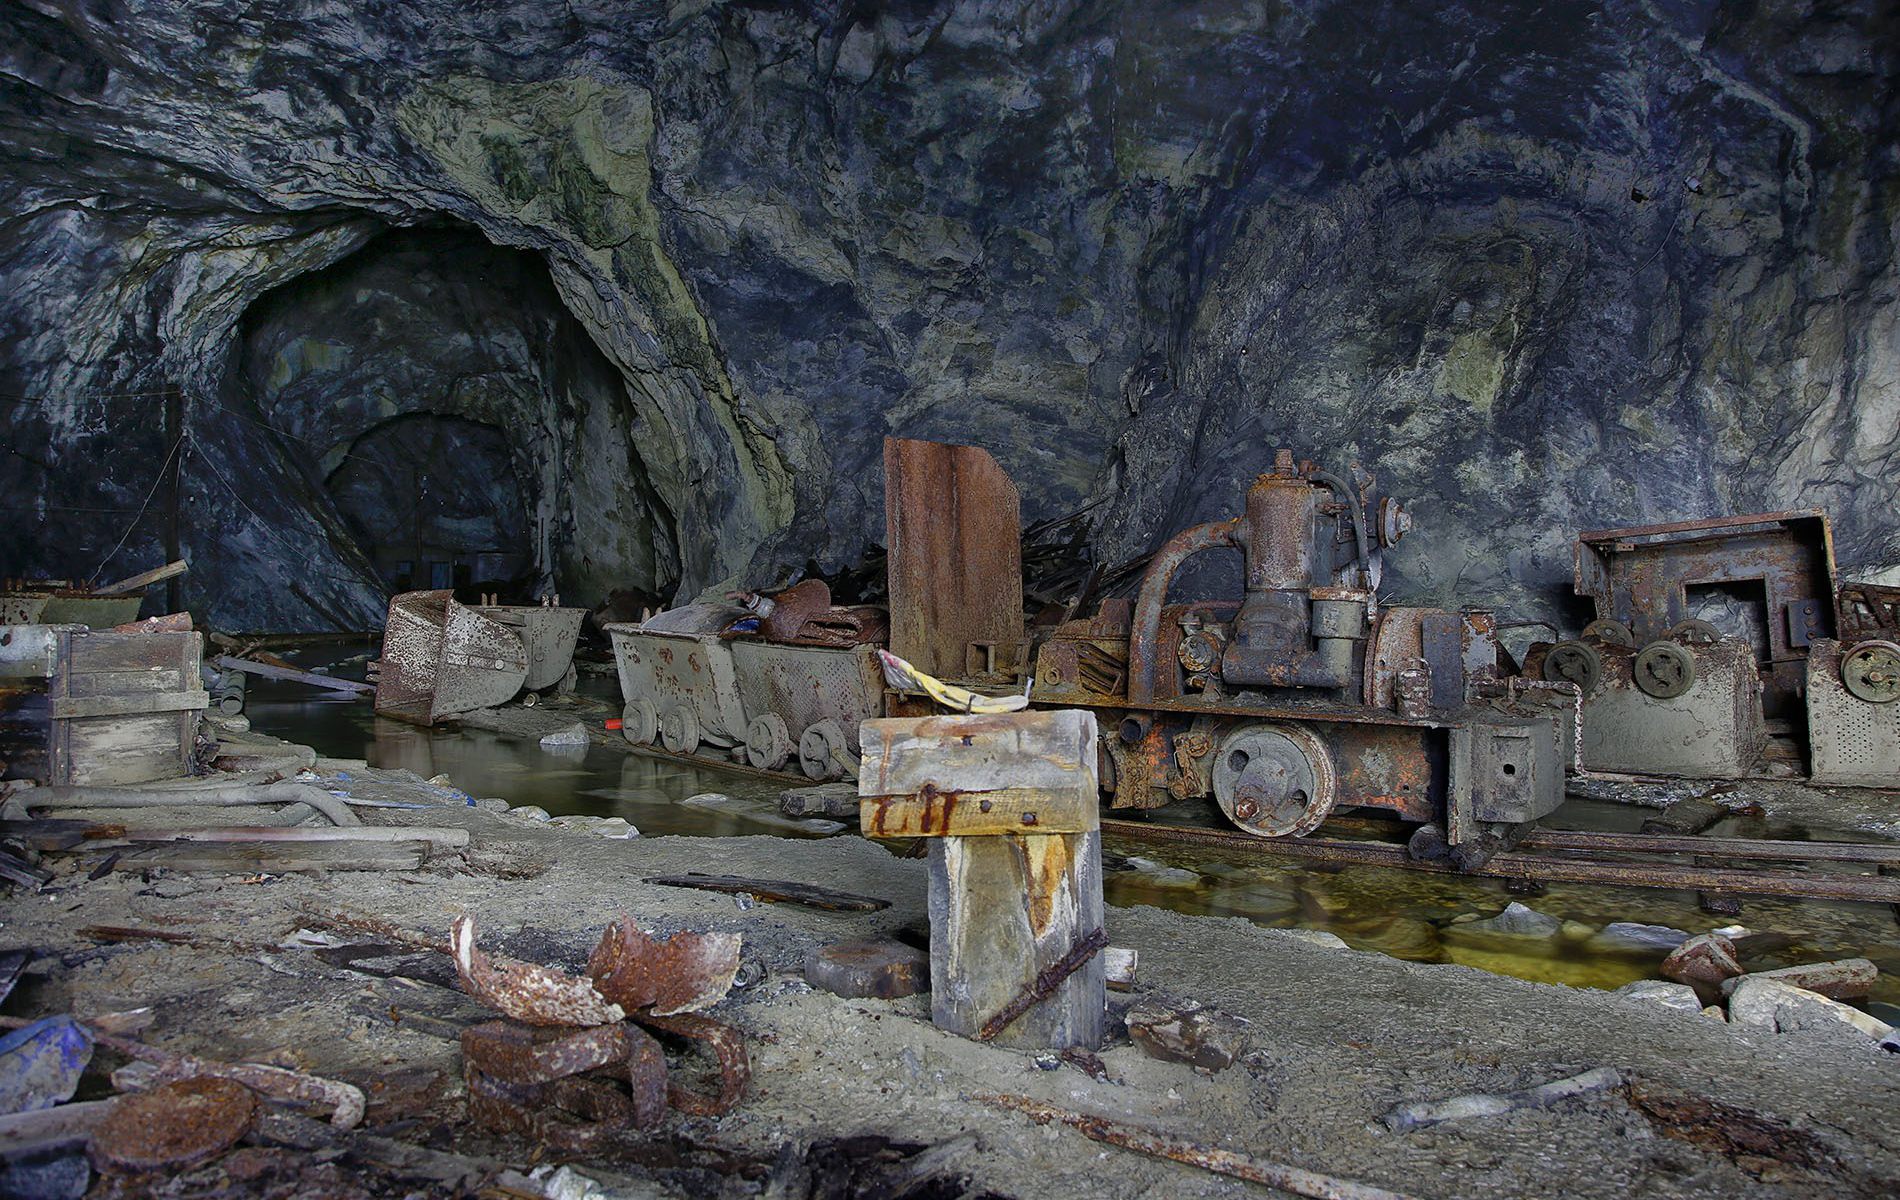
[807, 701]
[548, 633]
[1306, 695]
[688, 678]
[1698, 663]
[677, 680]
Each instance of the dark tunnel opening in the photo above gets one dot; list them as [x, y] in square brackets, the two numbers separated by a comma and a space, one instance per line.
[432, 390]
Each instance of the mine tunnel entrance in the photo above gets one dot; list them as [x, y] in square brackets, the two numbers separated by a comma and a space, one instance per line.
[434, 503]
[437, 395]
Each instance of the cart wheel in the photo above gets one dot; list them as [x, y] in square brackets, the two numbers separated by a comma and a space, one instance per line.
[767, 742]
[1664, 670]
[640, 722]
[567, 684]
[1614, 632]
[1871, 672]
[1574, 662]
[821, 751]
[679, 729]
[1274, 780]
[1694, 632]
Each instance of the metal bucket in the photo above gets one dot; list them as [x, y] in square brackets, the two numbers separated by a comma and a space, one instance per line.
[547, 634]
[441, 658]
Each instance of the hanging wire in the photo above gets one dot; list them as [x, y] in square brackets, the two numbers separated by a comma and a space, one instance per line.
[176, 443]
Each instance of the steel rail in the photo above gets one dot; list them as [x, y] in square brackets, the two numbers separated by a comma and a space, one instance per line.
[1533, 868]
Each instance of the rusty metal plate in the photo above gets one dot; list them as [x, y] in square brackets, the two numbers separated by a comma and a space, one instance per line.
[660, 977]
[693, 670]
[412, 648]
[728, 1048]
[804, 685]
[174, 1126]
[527, 1054]
[953, 523]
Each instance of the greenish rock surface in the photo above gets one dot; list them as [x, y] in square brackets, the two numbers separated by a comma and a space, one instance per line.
[1540, 267]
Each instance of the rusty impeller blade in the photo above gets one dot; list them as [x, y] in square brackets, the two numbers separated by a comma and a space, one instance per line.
[529, 993]
[680, 974]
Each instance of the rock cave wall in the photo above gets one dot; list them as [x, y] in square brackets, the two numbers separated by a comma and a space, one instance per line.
[1540, 266]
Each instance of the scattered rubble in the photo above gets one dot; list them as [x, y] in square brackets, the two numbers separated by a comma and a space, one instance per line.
[1188, 1032]
[879, 967]
[1703, 963]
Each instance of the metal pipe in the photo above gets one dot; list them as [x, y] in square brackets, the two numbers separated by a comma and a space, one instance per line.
[1357, 512]
[114, 797]
[1145, 631]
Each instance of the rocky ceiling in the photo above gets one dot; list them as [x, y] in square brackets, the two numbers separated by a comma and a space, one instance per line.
[1540, 266]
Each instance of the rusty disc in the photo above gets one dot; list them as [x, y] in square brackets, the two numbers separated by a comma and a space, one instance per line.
[177, 1125]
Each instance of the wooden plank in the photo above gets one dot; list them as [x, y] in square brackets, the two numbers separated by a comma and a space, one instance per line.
[986, 814]
[126, 683]
[100, 651]
[1002, 911]
[69, 707]
[276, 858]
[954, 527]
[144, 579]
[290, 674]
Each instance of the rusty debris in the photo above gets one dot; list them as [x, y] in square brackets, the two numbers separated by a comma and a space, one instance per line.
[178, 1125]
[683, 973]
[570, 1068]
[1045, 983]
[1296, 1180]
[527, 992]
[536, 1081]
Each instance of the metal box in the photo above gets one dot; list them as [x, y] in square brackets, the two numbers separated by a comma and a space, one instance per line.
[1851, 742]
[98, 708]
[1713, 730]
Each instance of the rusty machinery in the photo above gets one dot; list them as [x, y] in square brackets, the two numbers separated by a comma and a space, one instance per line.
[1307, 695]
[1785, 651]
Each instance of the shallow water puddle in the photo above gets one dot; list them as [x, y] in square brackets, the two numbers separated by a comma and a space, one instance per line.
[1408, 915]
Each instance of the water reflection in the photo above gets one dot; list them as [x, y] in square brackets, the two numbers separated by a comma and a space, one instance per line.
[1409, 915]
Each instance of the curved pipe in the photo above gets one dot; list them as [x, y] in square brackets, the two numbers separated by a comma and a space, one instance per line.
[1357, 512]
[1145, 632]
[133, 797]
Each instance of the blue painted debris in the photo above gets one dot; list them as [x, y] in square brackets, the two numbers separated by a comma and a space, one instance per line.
[40, 1065]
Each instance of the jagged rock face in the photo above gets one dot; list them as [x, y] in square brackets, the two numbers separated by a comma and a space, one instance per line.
[1541, 267]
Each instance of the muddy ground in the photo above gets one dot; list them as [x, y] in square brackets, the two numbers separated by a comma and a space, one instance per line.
[1338, 1036]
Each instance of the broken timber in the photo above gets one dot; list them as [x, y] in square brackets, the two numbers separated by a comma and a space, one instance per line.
[1009, 806]
[774, 891]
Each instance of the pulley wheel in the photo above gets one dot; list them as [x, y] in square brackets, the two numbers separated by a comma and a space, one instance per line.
[1574, 662]
[1871, 672]
[1613, 632]
[679, 729]
[1274, 780]
[1694, 632]
[767, 742]
[821, 751]
[1664, 670]
[640, 722]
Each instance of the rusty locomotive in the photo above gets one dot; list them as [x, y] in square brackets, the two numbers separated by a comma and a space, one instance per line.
[1304, 696]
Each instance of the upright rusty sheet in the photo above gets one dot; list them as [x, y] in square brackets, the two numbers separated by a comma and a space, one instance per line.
[954, 524]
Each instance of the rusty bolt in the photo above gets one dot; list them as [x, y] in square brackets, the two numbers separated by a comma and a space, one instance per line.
[1246, 810]
[1029, 818]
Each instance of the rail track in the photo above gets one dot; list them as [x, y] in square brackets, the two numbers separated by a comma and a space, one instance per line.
[1714, 866]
